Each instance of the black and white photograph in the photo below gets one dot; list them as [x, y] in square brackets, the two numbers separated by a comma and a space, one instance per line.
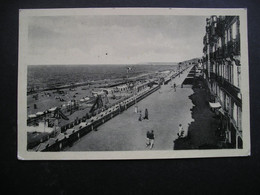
[132, 83]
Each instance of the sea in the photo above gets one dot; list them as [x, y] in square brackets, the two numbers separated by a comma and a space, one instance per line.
[47, 76]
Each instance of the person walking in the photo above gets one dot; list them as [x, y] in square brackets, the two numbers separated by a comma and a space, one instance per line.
[136, 109]
[174, 86]
[152, 139]
[140, 116]
[148, 138]
[146, 114]
[181, 131]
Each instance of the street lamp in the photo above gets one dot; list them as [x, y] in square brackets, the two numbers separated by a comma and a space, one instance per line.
[179, 69]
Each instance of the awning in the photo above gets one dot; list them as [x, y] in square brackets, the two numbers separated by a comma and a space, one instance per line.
[215, 105]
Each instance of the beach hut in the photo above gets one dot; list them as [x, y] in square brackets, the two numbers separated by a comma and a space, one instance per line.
[32, 116]
[52, 109]
[70, 131]
[39, 113]
[41, 146]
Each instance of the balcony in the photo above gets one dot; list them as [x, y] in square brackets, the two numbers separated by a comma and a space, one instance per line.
[205, 49]
[213, 56]
[205, 40]
[229, 88]
[219, 53]
[225, 52]
[233, 47]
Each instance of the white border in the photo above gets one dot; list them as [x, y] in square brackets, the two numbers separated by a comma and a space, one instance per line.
[23, 154]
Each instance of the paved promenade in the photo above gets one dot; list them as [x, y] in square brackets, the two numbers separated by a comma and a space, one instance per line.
[167, 109]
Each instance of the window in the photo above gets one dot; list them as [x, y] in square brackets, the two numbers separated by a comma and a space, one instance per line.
[231, 74]
[235, 114]
[226, 37]
[228, 34]
[231, 108]
[221, 96]
[235, 75]
[219, 43]
[227, 102]
[239, 76]
[226, 71]
[234, 30]
[239, 118]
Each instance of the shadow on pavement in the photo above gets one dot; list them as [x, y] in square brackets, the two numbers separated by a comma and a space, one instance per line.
[201, 132]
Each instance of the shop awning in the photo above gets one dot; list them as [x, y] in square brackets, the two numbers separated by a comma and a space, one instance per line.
[215, 105]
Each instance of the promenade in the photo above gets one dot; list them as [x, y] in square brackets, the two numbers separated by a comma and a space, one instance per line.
[167, 109]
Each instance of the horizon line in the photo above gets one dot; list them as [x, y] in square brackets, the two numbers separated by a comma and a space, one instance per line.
[141, 63]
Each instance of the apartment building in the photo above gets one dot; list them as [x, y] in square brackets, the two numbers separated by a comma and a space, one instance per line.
[222, 71]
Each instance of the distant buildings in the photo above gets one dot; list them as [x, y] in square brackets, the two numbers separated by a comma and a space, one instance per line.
[222, 71]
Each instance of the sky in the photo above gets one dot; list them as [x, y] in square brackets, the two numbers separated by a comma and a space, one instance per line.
[114, 39]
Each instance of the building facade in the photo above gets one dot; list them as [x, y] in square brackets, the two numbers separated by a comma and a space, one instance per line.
[222, 71]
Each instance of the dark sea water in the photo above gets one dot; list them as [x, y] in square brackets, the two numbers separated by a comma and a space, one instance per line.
[43, 76]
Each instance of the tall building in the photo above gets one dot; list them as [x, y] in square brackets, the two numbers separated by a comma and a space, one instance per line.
[222, 71]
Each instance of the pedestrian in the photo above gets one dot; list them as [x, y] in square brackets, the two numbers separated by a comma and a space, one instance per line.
[140, 116]
[148, 138]
[152, 139]
[181, 131]
[136, 109]
[174, 86]
[146, 114]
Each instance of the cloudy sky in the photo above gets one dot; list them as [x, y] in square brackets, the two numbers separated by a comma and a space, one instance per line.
[114, 39]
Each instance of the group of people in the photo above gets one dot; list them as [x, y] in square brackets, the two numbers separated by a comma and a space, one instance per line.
[145, 115]
[150, 139]
[150, 134]
[181, 131]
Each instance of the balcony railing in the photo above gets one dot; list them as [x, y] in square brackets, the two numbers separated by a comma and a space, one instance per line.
[226, 51]
[228, 87]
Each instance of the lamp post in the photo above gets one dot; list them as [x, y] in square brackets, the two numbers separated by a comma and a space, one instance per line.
[179, 69]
